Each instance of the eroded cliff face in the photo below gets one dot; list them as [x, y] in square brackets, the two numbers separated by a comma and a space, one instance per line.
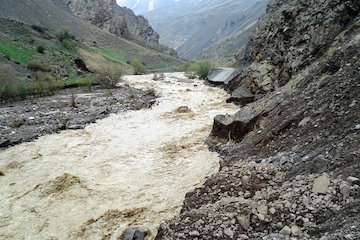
[107, 15]
[291, 36]
[290, 166]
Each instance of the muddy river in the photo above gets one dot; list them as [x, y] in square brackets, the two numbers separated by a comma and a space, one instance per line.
[129, 170]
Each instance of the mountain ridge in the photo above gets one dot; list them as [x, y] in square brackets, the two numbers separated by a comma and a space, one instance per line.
[195, 28]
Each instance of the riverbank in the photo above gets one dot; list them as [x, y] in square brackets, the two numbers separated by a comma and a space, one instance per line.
[26, 120]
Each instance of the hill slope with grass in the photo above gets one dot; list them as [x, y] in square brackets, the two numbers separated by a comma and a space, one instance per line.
[55, 16]
[43, 46]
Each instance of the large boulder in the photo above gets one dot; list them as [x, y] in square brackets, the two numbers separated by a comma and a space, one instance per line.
[233, 127]
[242, 96]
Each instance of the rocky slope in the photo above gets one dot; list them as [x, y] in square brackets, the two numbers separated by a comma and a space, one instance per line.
[290, 166]
[108, 15]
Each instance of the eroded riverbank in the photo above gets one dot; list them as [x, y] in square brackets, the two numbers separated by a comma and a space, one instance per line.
[130, 169]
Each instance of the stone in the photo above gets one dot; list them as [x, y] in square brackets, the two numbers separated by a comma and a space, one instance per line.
[183, 109]
[194, 233]
[353, 180]
[245, 180]
[229, 232]
[2, 174]
[134, 234]
[244, 221]
[321, 184]
[272, 211]
[304, 122]
[243, 237]
[296, 231]
[233, 127]
[285, 231]
[241, 96]
[345, 190]
[263, 210]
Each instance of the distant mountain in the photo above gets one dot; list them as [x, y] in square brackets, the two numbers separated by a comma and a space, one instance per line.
[143, 6]
[106, 14]
[201, 28]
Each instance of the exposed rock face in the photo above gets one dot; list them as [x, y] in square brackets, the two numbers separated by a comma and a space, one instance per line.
[107, 15]
[295, 171]
[291, 37]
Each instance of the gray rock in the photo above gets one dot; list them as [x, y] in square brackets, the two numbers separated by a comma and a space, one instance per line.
[353, 180]
[244, 221]
[285, 231]
[345, 190]
[321, 184]
[304, 122]
[134, 234]
[241, 96]
[228, 232]
[233, 127]
[194, 233]
[296, 231]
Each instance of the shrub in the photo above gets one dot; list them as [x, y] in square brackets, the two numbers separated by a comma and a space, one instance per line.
[40, 49]
[85, 80]
[200, 69]
[12, 87]
[66, 39]
[64, 35]
[109, 78]
[38, 66]
[68, 44]
[138, 66]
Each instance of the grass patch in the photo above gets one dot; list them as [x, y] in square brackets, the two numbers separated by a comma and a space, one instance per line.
[86, 80]
[38, 66]
[109, 54]
[16, 52]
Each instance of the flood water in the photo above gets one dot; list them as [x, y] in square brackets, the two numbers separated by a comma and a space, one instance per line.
[130, 169]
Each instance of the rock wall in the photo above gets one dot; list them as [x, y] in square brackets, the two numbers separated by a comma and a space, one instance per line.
[292, 35]
[290, 167]
[107, 15]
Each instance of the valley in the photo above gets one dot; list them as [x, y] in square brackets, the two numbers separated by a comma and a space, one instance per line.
[129, 170]
[180, 119]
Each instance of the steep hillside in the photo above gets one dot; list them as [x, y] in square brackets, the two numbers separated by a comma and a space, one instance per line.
[106, 14]
[290, 166]
[196, 29]
[55, 16]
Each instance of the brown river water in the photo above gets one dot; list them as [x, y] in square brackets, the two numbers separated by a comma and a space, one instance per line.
[131, 169]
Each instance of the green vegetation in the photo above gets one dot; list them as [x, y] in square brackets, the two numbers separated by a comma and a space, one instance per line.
[109, 78]
[11, 86]
[66, 40]
[200, 69]
[138, 66]
[16, 52]
[85, 80]
[38, 66]
[112, 55]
